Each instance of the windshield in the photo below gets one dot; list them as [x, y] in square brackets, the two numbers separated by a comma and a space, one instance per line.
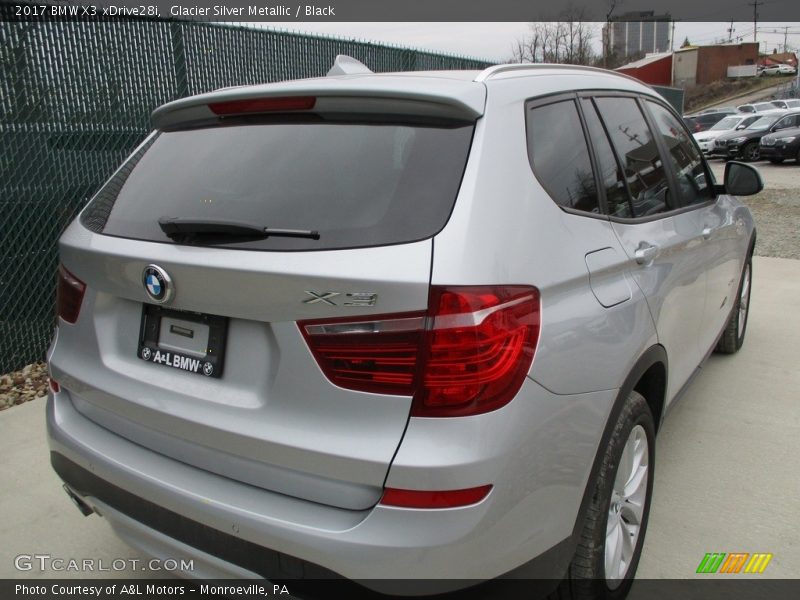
[726, 123]
[763, 123]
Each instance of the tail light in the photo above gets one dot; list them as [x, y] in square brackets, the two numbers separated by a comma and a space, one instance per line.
[69, 295]
[467, 355]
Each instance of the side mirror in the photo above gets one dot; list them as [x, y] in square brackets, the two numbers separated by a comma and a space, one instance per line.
[742, 180]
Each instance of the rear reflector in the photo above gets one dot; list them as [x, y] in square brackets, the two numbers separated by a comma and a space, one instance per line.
[434, 499]
[54, 386]
[69, 295]
[263, 105]
[467, 355]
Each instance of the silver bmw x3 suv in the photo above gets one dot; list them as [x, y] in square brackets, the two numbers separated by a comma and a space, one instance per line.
[406, 325]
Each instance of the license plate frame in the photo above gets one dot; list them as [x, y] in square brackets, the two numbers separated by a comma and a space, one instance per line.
[208, 364]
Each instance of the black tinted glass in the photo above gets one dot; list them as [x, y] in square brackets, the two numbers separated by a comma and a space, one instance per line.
[638, 154]
[357, 184]
[559, 155]
[685, 158]
[612, 179]
[787, 122]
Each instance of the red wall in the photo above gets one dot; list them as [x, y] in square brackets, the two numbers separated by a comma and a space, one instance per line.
[658, 72]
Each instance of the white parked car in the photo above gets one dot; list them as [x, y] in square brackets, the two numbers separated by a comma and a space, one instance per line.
[786, 104]
[779, 70]
[757, 107]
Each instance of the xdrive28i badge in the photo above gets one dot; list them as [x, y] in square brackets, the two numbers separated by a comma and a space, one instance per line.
[157, 284]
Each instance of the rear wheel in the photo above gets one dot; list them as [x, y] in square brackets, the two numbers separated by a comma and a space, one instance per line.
[733, 336]
[613, 532]
[750, 152]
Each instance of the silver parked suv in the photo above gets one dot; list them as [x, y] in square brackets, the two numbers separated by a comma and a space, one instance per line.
[405, 325]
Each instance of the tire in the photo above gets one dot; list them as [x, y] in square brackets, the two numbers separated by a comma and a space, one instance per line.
[624, 483]
[750, 152]
[797, 158]
[776, 161]
[733, 335]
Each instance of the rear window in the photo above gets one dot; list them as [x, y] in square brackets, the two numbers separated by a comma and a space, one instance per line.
[356, 183]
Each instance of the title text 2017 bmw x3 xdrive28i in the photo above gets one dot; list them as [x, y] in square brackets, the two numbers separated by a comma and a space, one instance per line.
[408, 325]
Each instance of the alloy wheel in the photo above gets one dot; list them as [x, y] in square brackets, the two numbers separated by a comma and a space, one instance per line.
[751, 152]
[627, 507]
[744, 299]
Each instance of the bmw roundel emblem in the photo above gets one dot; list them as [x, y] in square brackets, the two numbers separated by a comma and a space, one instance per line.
[157, 284]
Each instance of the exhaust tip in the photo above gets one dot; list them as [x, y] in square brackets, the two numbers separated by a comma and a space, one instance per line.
[85, 509]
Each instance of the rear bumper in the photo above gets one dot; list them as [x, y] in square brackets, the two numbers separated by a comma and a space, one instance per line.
[166, 507]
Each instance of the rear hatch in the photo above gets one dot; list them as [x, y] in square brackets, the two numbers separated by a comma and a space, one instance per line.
[217, 236]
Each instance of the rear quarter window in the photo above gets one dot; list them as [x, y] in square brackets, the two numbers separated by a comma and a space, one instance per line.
[559, 155]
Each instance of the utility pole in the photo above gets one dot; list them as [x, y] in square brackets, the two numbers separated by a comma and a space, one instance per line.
[672, 37]
[755, 4]
[730, 31]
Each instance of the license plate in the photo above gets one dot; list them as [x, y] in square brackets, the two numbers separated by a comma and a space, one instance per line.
[186, 341]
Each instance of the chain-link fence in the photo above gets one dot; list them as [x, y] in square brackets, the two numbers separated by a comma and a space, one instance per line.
[75, 99]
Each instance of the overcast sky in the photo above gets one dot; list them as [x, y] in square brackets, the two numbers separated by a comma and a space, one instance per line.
[493, 41]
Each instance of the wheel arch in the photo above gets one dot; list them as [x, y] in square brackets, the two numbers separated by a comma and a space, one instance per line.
[647, 377]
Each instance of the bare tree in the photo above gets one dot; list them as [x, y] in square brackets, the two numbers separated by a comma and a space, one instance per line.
[568, 40]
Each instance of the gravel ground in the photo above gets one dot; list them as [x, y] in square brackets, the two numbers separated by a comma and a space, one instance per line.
[777, 215]
[776, 211]
[24, 385]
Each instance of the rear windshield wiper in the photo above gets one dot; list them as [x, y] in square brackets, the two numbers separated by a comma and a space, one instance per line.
[188, 227]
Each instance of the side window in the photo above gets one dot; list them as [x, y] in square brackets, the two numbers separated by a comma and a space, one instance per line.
[611, 178]
[685, 158]
[638, 153]
[559, 155]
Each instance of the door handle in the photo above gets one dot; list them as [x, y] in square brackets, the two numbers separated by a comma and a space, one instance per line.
[706, 232]
[645, 253]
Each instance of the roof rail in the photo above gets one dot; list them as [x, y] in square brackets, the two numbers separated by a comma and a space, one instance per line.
[347, 65]
[490, 72]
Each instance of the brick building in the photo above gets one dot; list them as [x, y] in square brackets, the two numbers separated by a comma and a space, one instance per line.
[697, 65]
